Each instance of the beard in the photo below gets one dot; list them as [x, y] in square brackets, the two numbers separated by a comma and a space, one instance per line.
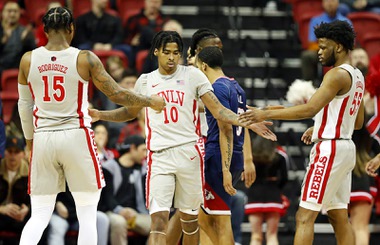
[330, 61]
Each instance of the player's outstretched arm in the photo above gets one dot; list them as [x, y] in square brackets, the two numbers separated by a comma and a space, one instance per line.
[88, 61]
[218, 111]
[121, 114]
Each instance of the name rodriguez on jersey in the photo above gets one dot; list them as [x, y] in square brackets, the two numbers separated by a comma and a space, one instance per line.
[53, 67]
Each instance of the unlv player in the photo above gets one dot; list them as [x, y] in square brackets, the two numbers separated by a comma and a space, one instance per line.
[53, 83]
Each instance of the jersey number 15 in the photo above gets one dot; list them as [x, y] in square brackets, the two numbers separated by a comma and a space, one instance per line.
[58, 92]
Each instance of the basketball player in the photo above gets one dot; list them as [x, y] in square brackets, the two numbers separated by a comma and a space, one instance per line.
[53, 82]
[174, 158]
[338, 111]
[224, 161]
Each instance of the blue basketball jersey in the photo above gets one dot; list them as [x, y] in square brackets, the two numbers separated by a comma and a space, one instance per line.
[233, 97]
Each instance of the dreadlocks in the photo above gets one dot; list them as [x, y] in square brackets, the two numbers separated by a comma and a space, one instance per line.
[164, 37]
[57, 19]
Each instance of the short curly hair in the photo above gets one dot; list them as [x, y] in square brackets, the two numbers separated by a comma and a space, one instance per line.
[339, 31]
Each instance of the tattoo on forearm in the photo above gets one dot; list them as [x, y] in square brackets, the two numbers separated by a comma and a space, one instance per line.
[111, 89]
[229, 153]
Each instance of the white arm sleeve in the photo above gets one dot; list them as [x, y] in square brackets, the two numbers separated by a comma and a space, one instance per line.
[25, 109]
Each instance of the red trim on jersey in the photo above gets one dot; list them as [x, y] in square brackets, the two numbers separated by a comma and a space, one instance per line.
[328, 170]
[201, 157]
[93, 156]
[30, 170]
[195, 117]
[80, 103]
[324, 121]
[149, 133]
[147, 180]
[340, 117]
[374, 123]
[311, 170]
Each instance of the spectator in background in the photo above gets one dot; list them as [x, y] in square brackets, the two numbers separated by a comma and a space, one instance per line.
[65, 218]
[123, 197]
[151, 63]
[101, 140]
[99, 30]
[136, 126]
[271, 163]
[141, 28]
[129, 78]
[15, 38]
[309, 57]
[348, 6]
[41, 38]
[128, 81]
[363, 189]
[115, 67]
[14, 198]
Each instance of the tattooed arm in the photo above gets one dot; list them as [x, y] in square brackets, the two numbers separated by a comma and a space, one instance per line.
[121, 114]
[218, 111]
[90, 66]
[226, 148]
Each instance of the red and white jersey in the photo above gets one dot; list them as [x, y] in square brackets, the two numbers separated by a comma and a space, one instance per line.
[337, 119]
[179, 122]
[60, 94]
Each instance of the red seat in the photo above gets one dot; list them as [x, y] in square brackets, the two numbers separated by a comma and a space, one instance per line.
[306, 6]
[364, 23]
[140, 60]
[9, 101]
[36, 7]
[303, 28]
[127, 8]
[103, 55]
[9, 80]
[81, 7]
[371, 43]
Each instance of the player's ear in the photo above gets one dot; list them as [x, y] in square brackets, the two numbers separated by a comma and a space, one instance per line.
[204, 66]
[155, 52]
[339, 48]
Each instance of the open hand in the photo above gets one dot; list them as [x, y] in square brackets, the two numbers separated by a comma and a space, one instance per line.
[262, 130]
[227, 183]
[252, 115]
[306, 137]
[372, 166]
[249, 174]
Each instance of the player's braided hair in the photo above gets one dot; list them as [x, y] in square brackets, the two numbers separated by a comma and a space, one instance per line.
[57, 19]
[212, 56]
[164, 37]
[199, 36]
[338, 31]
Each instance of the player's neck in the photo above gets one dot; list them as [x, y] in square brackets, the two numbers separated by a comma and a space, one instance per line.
[57, 42]
[214, 74]
[342, 60]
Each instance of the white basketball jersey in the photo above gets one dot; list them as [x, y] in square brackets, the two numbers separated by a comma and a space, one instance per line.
[179, 122]
[60, 94]
[337, 119]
